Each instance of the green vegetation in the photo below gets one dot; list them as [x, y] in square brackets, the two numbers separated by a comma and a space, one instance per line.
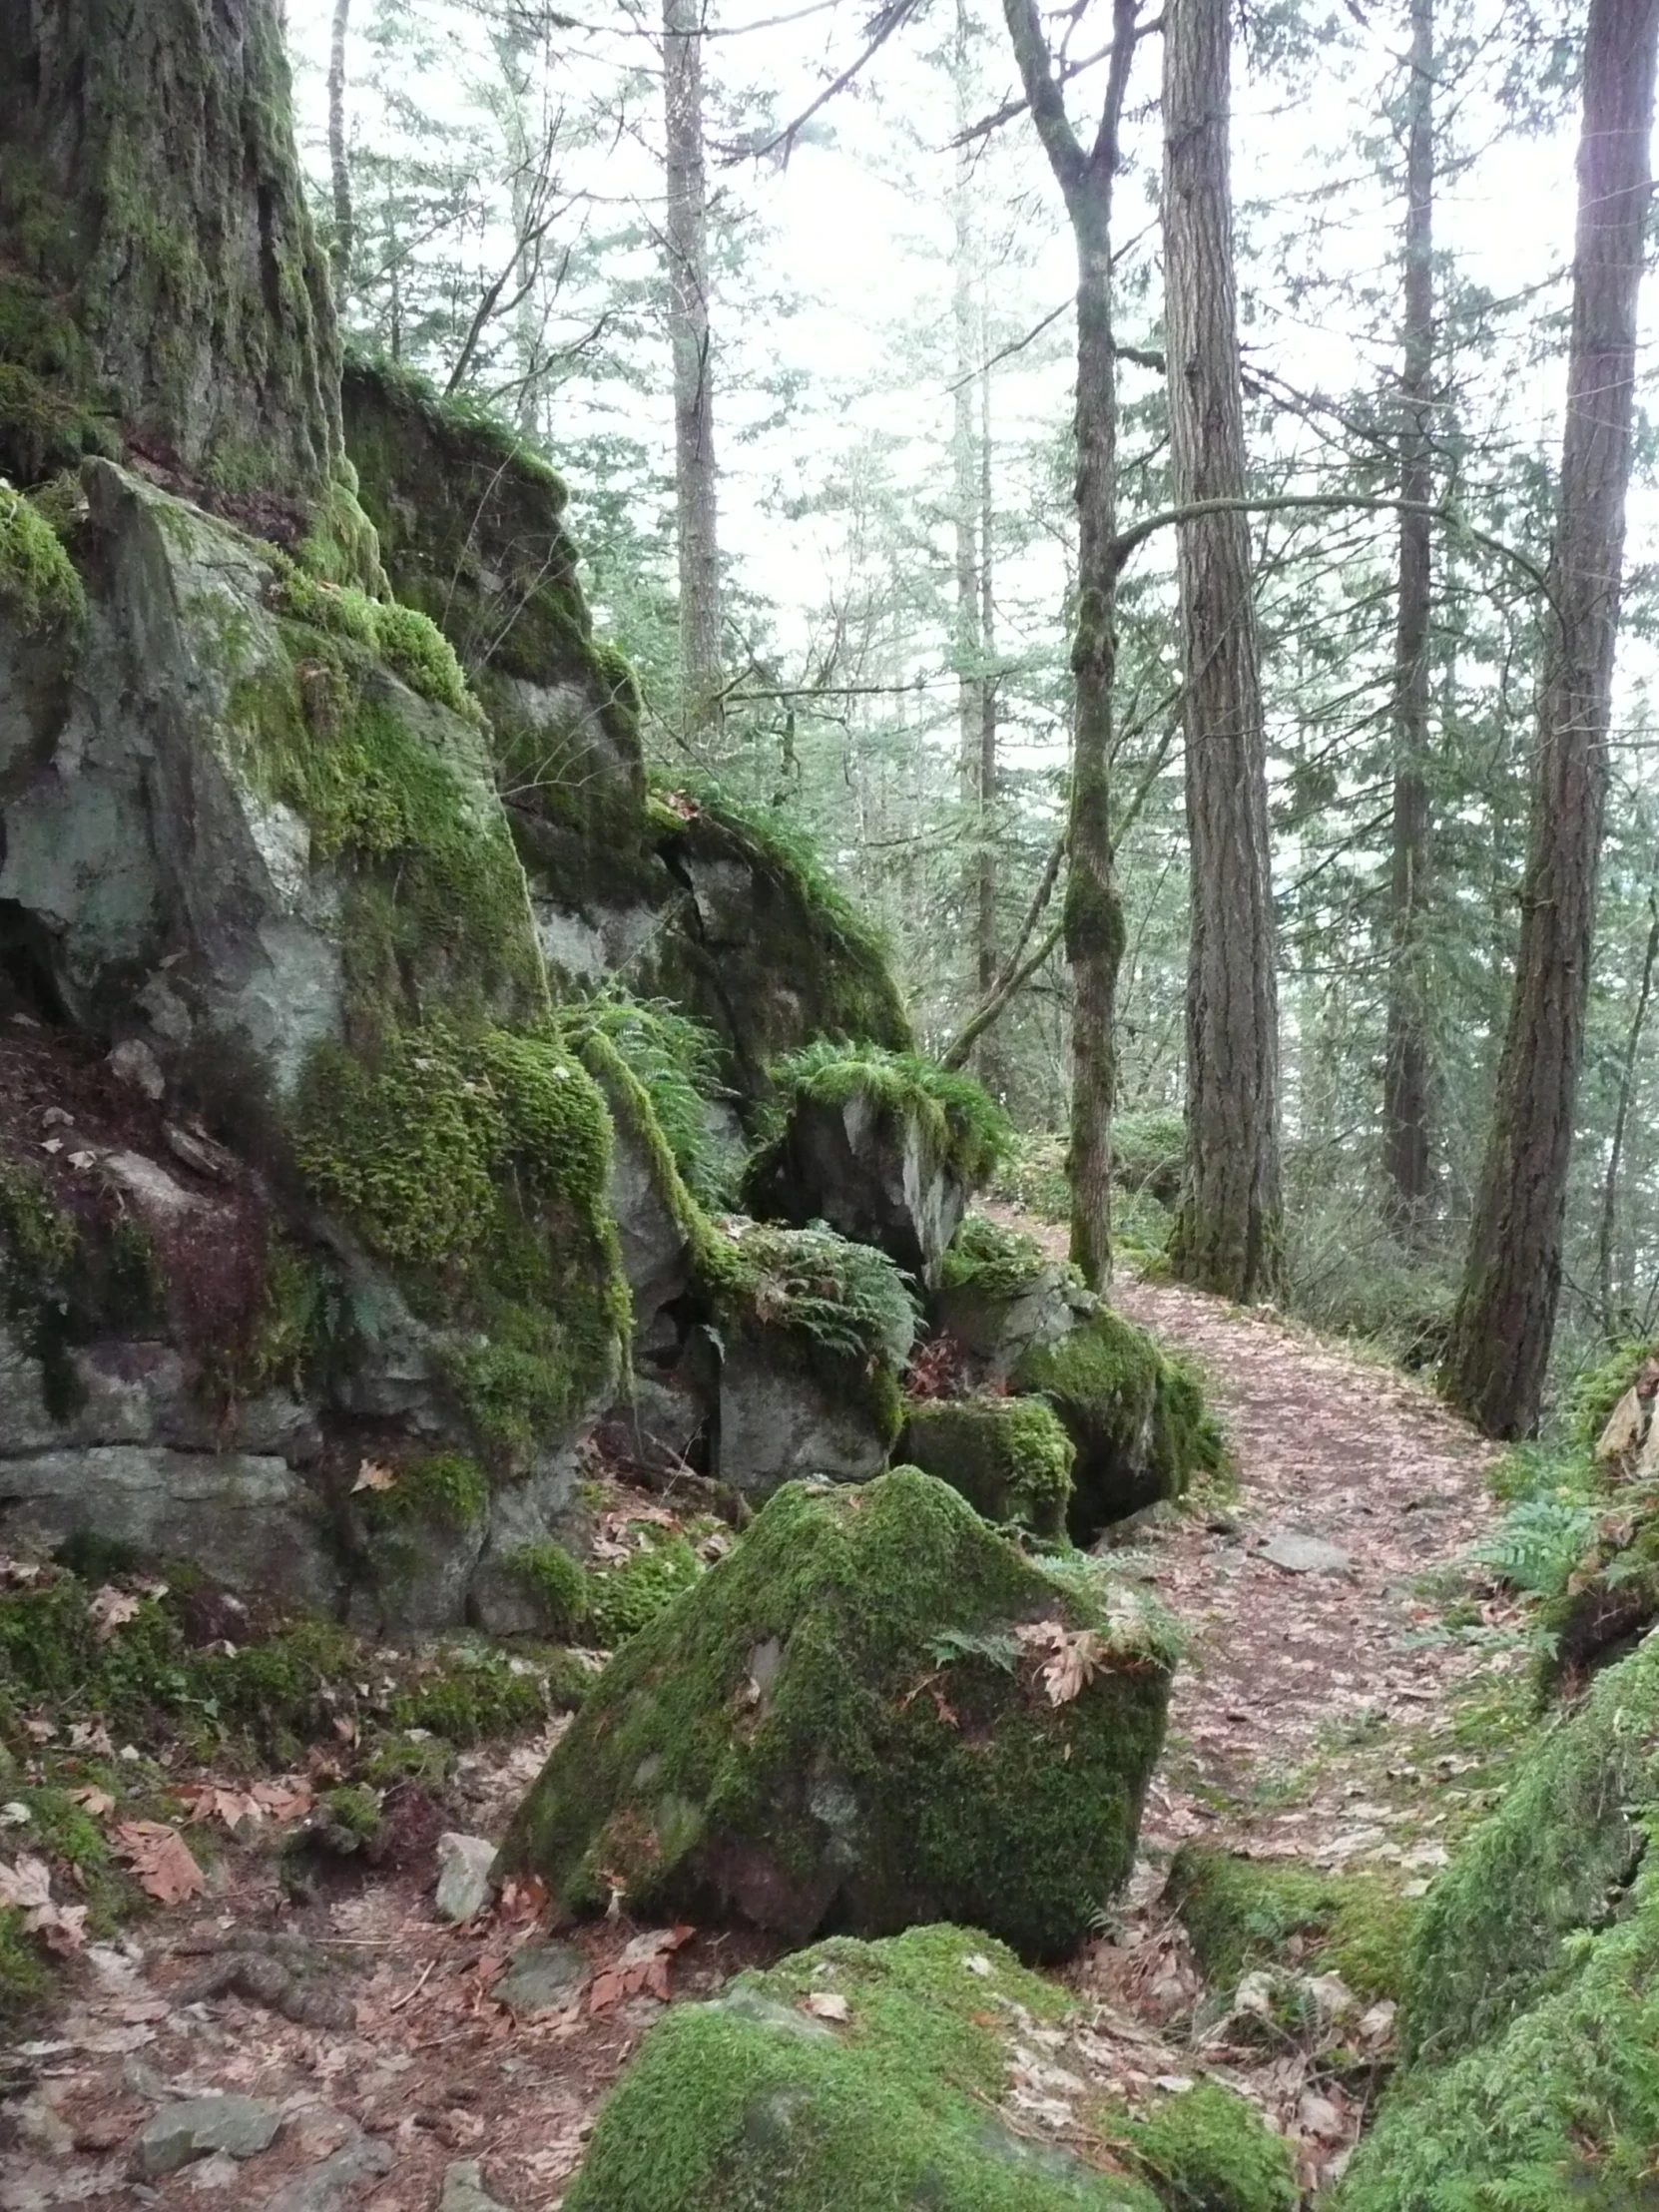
[675, 1059]
[478, 1167]
[1008, 1456]
[774, 1738]
[47, 420]
[961, 1124]
[1532, 2008]
[559, 1584]
[410, 643]
[628, 1596]
[985, 1256]
[1244, 1912]
[450, 1492]
[752, 2101]
[1136, 1417]
[1206, 2150]
[38, 582]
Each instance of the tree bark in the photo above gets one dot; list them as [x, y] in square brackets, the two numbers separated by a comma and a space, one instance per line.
[695, 482]
[1613, 1322]
[1228, 1236]
[1093, 912]
[1407, 1073]
[339, 168]
[1500, 1352]
[160, 286]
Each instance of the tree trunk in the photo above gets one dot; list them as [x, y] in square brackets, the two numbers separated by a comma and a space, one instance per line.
[160, 286]
[1499, 1350]
[339, 169]
[695, 483]
[985, 903]
[1093, 913]
[1406, 1077]
[1227, 1235]
[1613, 1319]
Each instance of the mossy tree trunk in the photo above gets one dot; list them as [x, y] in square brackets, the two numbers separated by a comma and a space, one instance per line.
[161, 289]
[1228, 1237]
[1094, 932]
[1500, 1352]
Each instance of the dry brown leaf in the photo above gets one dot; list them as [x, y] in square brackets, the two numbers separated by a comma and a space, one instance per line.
[1074, 1657]
[827, 2004]
[112, 1609]
[98, 1803]
[161, 1860]
[375, 1474]
[26, 1886]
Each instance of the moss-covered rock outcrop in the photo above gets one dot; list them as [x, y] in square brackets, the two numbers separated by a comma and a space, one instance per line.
[884, 1146]
[1532, 2013]
[1242, 1912]
[878, 2077]
[1008, 1456]
[999, 1297]
[850, 1719]
[1136, 1417]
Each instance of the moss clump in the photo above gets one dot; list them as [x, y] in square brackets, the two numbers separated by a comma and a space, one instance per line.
[479, 1168]
[49, 419]
[26, 1984]
[752, 2100]
[1136, 1417]
[341, 545]
[467, 1695]
[624, 1598]
[1532, 2012]
[38, 583]
[997, 1262]
[1206, 2150]
[410, 643]
[448, 1492]
[1597, 1391]
[559, 1584]
[1010, 1456]
[963, 1127]
[676, 1062]
[841, 1719]
[1244, 1912]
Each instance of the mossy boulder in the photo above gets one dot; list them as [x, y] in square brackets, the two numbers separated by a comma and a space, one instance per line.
[1242, 1912]
[999, 1297]
[1010, 1456]
[1136, 1417]
[841, 1721]
[1532, 2006]
[1611, 1598]
[883, 2076]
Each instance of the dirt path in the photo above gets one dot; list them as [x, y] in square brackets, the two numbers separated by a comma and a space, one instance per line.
[1282, 1666]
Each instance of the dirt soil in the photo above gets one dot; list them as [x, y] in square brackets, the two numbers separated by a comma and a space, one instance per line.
[1309, 1718]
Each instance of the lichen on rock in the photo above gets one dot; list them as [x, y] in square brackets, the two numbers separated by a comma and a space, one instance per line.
[841, 1722]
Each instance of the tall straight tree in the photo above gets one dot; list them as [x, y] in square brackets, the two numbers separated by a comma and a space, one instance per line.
[1499, 1350]
[1406, 1071]
[1094, 932]
[1228, 1236]
[686, 241]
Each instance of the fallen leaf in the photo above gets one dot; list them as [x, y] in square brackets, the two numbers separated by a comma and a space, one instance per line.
[96, 1802]
[26, 1885]
[112, 1609]
[375, 1474]
[827, 2004]
[161, 1860]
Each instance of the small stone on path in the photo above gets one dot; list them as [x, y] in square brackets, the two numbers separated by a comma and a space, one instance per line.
[328, 2185]
[543, 1978]
[464, 2191]
[464, 1879]
[172, 2137]
[1298, 1554]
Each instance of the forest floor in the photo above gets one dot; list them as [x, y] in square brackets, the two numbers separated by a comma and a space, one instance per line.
[1341, 1714]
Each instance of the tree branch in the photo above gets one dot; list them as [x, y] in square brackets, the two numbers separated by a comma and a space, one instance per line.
[1131, 540]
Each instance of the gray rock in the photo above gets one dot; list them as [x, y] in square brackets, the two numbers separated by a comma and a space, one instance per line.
[997, 1332]
[237, 2126]
[1300, 1554]
[133, 1062]
[245, 1518]
[543, 1978]
[464, 1879]
[326, 2185]
[464, 2191]
[778, 1419]
[533, 1511]
[868, 1173]
[655, 1252]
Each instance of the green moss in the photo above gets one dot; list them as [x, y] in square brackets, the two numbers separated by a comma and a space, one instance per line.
[835, 1720]
[1008, 1456]
[353, 1809]
[340, 545]
[1000, 1263]
[753, 2102]
[1244, 1912]
[38, 583]
[1598, 1389]
[1136, 1418]
[479, 1168]
[49, 415]
[624, 1598]
[1208, 2150]
[410, 643]
[1532, 2014]
[449, 1490]
[468, 1696]
[559, 1583]
[963, 1126]
[674, 1060]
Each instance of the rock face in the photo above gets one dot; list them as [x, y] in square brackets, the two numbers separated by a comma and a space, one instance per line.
[871, 1175]
[770, 1747]
[876, 2075]
[1136, 1419]
[1008, 1456]
[998, 1298]
[1531, 2008]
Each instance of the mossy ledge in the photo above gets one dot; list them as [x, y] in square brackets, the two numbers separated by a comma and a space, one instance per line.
[840, 1720]
[1010, 1456]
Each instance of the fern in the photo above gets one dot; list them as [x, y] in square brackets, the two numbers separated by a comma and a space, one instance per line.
[1539, 1542]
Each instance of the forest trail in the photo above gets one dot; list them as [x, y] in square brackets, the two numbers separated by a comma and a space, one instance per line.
[1311, 1718]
